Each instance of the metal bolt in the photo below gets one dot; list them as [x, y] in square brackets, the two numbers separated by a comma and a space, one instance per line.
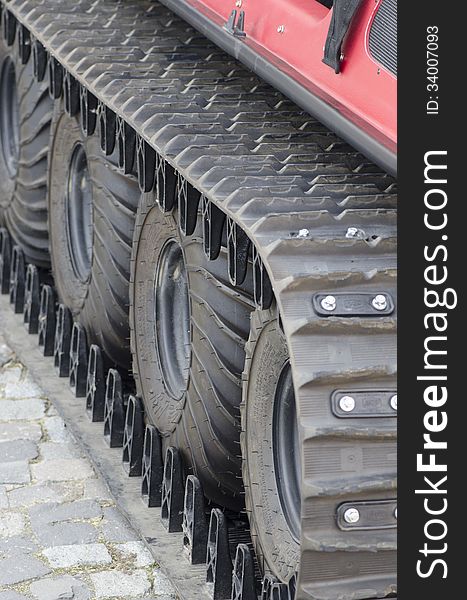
[303, 233]
[395, 513]
[280, 29]
[380, 302]
[355, 232]
[328, 303]
[351, 516]
[238, 3]
[347, 403]
[393, 402]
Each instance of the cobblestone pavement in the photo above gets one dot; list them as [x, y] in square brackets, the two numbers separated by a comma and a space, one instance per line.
[61, 535]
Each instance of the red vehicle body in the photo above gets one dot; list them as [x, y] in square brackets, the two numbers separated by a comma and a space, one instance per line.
[284, 42]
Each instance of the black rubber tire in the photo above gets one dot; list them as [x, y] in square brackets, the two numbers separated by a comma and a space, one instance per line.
[277, 550]
[101, 302]
[205, 422]
[23, 195]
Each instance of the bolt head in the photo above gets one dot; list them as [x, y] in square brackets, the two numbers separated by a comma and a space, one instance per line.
[355, 233]
[347, 403]
[380, 302]
[280, 29]
[395, 513]
[328, 303]
[393, 402]
[351, 516]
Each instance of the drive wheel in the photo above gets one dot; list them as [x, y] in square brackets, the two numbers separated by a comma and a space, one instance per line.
[271, 448]
[25, 117]
[92, 208]
[188, 330]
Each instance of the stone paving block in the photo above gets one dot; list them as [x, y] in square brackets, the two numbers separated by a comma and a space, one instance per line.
[62, 524]
[11, 595]
[162, 585]
[61, 470]
[109, 584]
[95, 488]
[20, 431]
[33, 494]
[64, 533]
[115, 528]
[4, 503]
[22, 410]
[11, 373]
[51, 411]
[11, 523]
[15, 472]
[77, 555]
[56, 429]
[6, 354]
[25, 388]
[17, 450]
[18, 544]
[58, 450]
[83, 509]
[60, 588]
[21, 568]
[137, 552]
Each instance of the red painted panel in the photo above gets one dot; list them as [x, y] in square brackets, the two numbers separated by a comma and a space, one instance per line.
[291, 35]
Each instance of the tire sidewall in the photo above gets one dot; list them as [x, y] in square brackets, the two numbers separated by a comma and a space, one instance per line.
[8, 184]
[66, 134]
[153, 231]
[267, 354]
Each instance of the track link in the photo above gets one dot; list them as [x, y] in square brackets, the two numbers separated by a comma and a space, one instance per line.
[318, 217]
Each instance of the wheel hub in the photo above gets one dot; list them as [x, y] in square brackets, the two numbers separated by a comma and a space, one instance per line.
[286, 449]
[172, 319]
[79, 214]
[9, 118]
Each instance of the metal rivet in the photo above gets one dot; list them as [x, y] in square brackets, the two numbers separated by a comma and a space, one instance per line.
[347, 403]
[395, 513]
[393, 402]
[380, 302]
[280, 29]
[351, 516]
[328, 303]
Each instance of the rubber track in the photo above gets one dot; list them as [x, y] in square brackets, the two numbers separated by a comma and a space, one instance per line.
[262, 161]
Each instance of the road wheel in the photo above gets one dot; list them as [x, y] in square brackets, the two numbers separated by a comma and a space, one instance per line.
[92, 209]
[25, 117]
[188, 330]
[271, 448]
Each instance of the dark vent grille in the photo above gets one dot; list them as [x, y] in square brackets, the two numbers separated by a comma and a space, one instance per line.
[383, 36]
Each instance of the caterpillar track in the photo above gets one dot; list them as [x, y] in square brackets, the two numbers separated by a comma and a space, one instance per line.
[314, 217]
